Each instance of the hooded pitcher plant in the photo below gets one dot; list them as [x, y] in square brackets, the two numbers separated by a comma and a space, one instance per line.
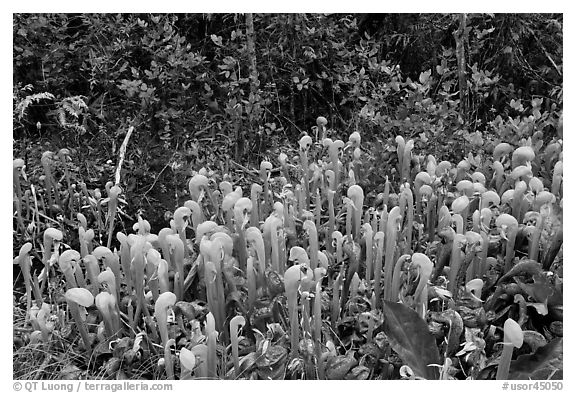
[502, 150]
[310, 229]
[473, 255]
[431, 165]
[113, 195]
[214, 304]
[356, 194]
[523, 155]
[465, 187]
[213, 254]
[432, 215]
[379, 243]
[317, 208]
[23, 260]
[460, 206]
[462, 171]
[236, 322]
[225, 188]
[177, 252]
[108, 307]
[357, 163]
[318, 328]
[168, 361]
[282, 158]
[321, 130]
[107, 280]
[542, 198]
[399, 266]
[406, 161]
[46, 160]
[400, 145]
[85, 238]
[197, 184]
[255, 192]
[538, 220]
[519, 173]
[508, 227]
[513, 337]
[125, 260]
[498, 176]
[77, 298]
[271, 226]
[229, 263]
[349, 205]
[52, 238]
[368, 236]
[557, 178]
[211, 337]
[298, 256]
[334, 149]
[392, 229]
[228, 203]
[153, 258]
[165, 247]
[292, 278]
[331, 219]
[408, 207]
[251, 281]
[41, 318]
[111, 261]
[138, 266]
[421, 179]
[520, 189]
[197, 216]
[64, 156]
[187, 363]
[352, 250]
[165, 302]
[242, 209]
[424, 268]
[265, 171]
[66, 263]
[256, 242]
[456, 258]
[200, 352]
[92, 272]
[305, 143]
[182, 218]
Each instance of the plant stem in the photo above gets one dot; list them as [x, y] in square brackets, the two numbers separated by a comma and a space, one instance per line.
[504, 364]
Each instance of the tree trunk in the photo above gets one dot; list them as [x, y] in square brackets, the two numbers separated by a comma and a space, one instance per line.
[460, 38]
[254, 83]
[251, 48]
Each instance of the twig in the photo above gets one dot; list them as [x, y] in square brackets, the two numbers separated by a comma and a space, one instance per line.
[48, 218]
[122, 154]
[253, 171]
[543, 49]
[155, 180]
[162, 170]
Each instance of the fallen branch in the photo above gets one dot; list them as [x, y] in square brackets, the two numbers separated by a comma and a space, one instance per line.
[122, 154]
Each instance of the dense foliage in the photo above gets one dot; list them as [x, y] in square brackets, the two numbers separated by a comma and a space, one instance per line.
[118, 119]
[184, 80]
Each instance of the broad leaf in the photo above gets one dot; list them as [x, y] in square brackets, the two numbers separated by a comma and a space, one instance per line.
[411, 339]
[542, 364]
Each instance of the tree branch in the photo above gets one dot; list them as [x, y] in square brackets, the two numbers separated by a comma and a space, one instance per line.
[122, 154]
